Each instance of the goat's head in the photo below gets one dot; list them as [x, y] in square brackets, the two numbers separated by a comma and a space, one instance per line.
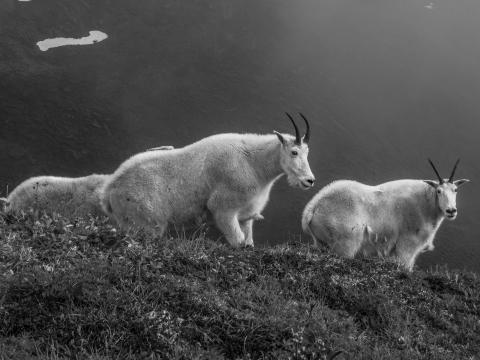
[293, 158]
[447, 192]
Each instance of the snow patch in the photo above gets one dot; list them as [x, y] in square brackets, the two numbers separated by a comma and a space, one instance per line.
[94, 37]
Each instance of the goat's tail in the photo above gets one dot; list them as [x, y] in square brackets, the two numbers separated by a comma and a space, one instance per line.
[306, 220]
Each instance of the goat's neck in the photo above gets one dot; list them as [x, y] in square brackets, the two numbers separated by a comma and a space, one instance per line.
[433, 211]
[267, 160]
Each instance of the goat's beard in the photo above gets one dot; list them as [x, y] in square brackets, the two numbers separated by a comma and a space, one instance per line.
[294, 181]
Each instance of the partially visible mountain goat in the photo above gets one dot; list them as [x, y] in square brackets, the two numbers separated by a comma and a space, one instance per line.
[397, 219]
[68, 196]
[229, 175]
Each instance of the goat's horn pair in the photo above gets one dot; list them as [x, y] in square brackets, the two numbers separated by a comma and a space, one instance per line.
[441, 181]
[298, 139]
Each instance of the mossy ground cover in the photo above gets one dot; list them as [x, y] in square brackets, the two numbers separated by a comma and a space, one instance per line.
[83, 290]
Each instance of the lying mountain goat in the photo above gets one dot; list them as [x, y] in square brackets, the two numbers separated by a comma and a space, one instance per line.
[228, 174]
[67, 196]
[397, 218]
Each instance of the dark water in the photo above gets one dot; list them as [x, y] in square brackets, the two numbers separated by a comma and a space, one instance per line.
[386, 84]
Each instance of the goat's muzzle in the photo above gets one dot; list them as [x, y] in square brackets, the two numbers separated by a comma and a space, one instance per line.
[307, 183]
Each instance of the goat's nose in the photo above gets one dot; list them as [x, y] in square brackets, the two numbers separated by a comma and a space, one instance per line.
[311, 181]
[451, 211]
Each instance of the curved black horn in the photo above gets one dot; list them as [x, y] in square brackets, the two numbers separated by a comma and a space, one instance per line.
[440, 180]
[298, 139]
[453, 171]
[306, 138]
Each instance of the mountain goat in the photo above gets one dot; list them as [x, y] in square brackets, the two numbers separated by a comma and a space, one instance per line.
[398, 219]
[68, 196]
[229, 175]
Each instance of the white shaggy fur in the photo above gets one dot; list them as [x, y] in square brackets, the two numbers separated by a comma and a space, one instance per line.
[228, 174]
[165, 147]
[68, 196]
[397, 219]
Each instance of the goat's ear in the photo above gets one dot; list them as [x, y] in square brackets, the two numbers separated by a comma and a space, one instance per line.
[280, 137]
[432, 183]
[458, 183]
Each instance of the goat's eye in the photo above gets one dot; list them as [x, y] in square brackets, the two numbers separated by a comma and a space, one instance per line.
[294, 152]
[455, 190]
[439, 191]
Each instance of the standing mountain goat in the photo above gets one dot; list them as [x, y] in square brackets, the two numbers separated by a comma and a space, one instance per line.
[67, 196]
[228, 174]
[397, 219]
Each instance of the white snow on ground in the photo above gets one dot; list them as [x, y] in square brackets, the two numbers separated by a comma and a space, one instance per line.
[94, 37]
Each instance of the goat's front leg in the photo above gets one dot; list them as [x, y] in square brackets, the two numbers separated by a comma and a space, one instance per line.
[227, 222]
[246, 227]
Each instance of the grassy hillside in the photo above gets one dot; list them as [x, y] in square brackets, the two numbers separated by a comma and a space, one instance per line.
[83, 290]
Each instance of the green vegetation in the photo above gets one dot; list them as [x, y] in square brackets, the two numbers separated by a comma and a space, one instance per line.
[82, 290]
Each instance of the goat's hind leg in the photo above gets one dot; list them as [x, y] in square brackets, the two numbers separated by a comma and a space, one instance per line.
[345, 247]
[132, 214]
[346, 242]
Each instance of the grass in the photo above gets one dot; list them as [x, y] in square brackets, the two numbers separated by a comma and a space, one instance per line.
[83, 290]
